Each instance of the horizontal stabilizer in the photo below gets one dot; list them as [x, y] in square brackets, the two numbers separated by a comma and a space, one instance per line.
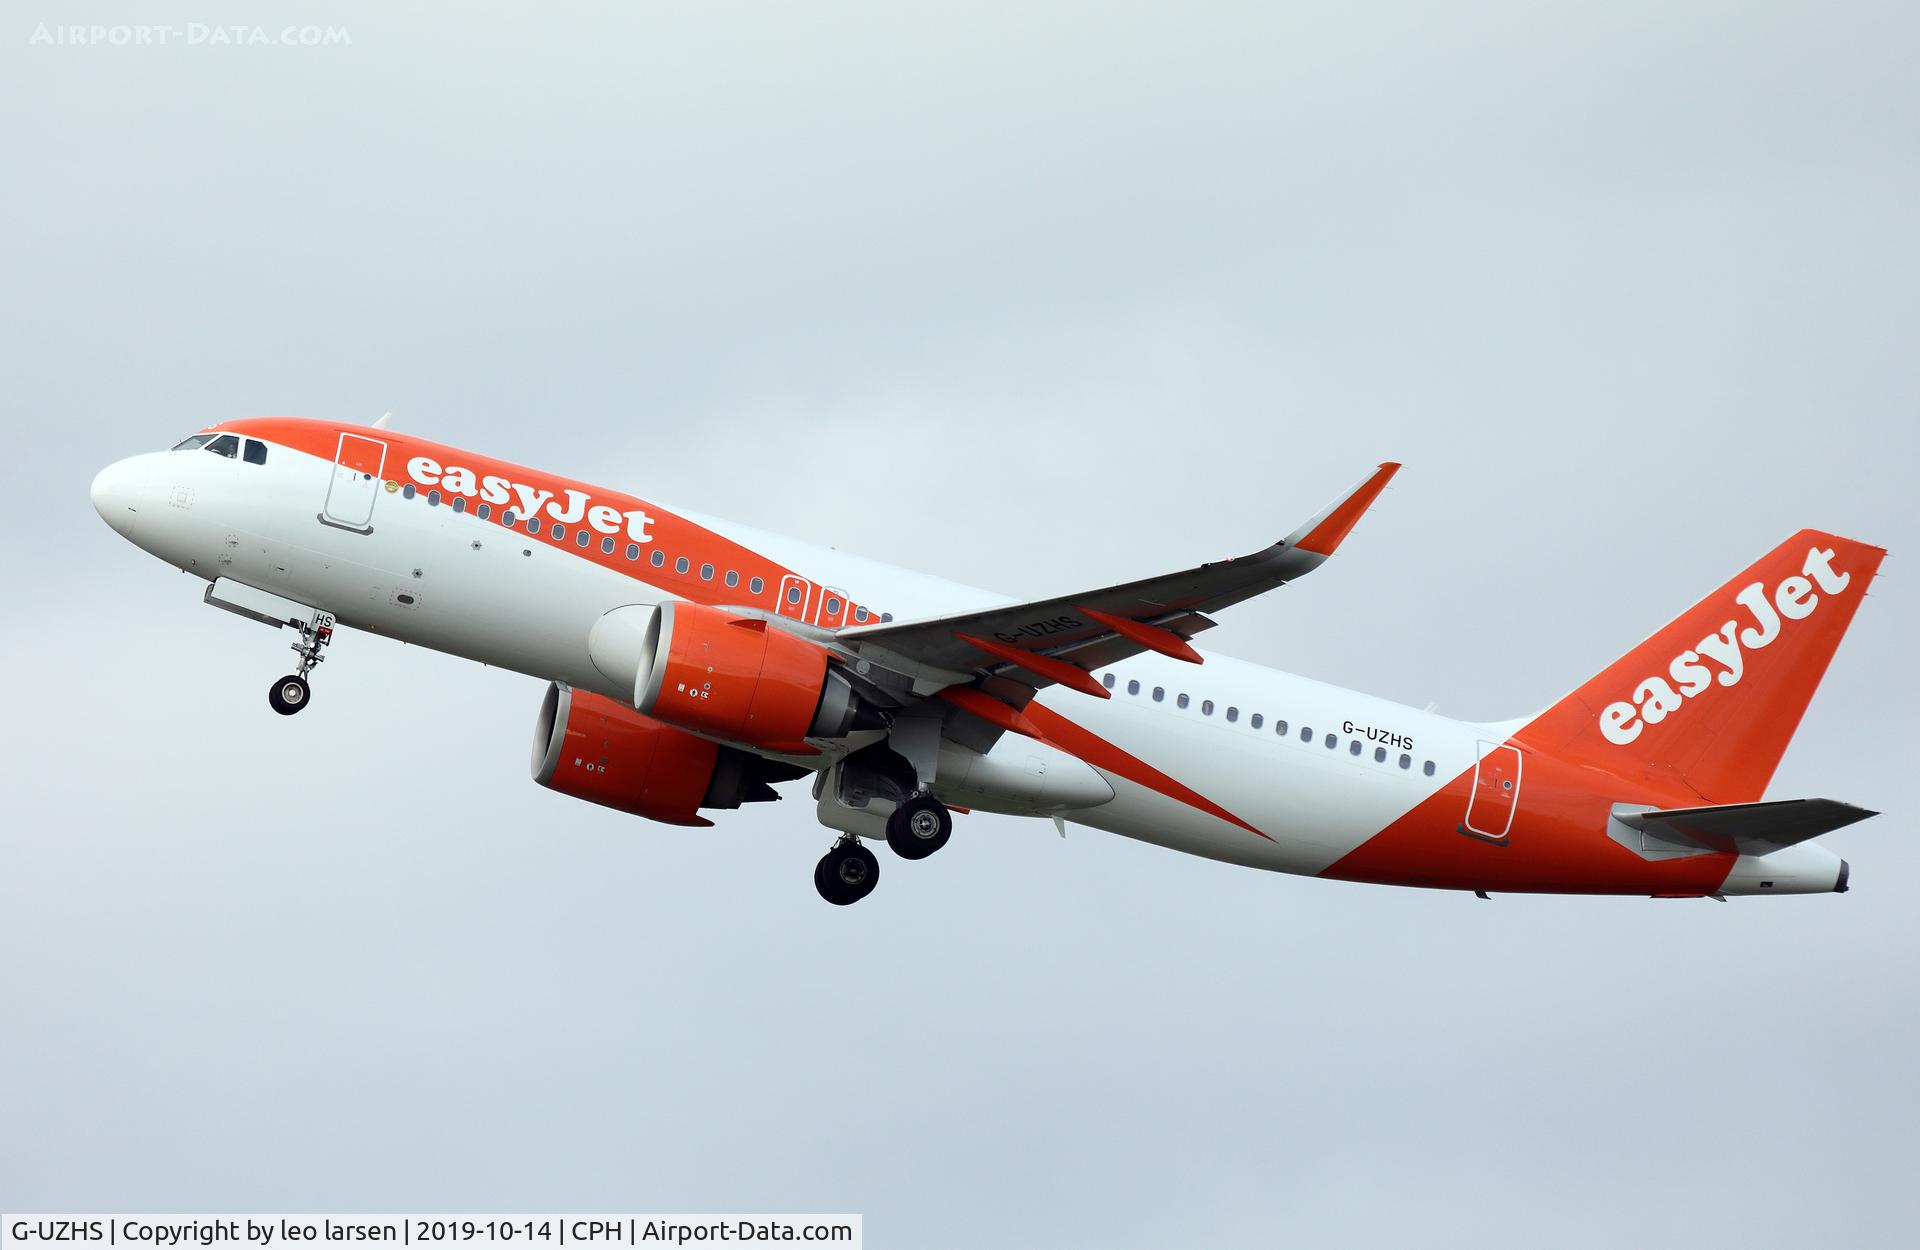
[1746, 828]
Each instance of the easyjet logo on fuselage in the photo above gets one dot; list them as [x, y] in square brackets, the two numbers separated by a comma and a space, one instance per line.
[577, 509]
[1657, 698]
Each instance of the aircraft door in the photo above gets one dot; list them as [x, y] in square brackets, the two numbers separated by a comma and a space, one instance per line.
[796, 597]
[1495, 794]
[833, 608]
[357, 466]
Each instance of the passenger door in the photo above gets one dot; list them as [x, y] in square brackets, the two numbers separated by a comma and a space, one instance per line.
[1495, 794]
[357, 465]
[833, 608]
[796, 597]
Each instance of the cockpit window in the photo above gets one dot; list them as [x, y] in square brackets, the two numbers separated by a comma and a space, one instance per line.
[192, 444]
[226, 445]
[256, 451]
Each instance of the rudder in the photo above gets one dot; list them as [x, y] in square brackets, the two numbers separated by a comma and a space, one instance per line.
[1711, 700]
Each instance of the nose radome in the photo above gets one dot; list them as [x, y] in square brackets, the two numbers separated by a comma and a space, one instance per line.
[115, 497]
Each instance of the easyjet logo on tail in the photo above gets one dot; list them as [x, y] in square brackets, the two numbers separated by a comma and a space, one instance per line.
[1693, 674]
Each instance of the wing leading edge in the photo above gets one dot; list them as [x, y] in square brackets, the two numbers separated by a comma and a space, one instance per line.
[1056, 641]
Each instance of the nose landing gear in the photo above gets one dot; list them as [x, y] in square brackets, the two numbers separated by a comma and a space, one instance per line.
[291, 693]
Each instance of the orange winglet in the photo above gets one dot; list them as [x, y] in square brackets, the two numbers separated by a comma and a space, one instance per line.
[1070, 675]
[1152, 637]
[1337, 524]
[991, 710]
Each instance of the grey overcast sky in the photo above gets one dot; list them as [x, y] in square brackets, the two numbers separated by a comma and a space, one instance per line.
[1037, 296]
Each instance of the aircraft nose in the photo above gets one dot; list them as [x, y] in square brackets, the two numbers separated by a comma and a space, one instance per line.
[116, 496]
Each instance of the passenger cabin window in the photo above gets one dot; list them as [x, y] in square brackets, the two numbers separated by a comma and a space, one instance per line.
[1280, 727]
[506, 518]
[459, 503]
[756, 586]
[533, 525]
[1332, 741]
[1427, 768]
[659, 559]
[1356, 748]
[793, 594]
[1233, 714]
[433, 499]
[1108, 681]
[833, 607]
[1159, 694]
[606, 546]
[1181, 701]
[1206, 707]
[583, 538]
[407, 491]
[1379, 755]
[1133, 687]
[861, 614]
[194, 443]
[633, 551]
[226, 445]
[483, 511]
[1406, 761]
[682, 565]
[256, 451]
[559, 533]
[706, 572]
[733, 579]
[1256, 720]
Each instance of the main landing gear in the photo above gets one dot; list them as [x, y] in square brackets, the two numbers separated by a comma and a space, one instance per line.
[918, 827]
[291, 693]
[847, 873]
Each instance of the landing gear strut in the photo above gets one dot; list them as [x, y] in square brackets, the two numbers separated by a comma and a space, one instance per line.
[919, 827]
[847, 873]
[291, 693]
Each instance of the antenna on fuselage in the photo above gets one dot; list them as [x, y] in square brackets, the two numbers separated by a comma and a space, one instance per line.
[381, 424]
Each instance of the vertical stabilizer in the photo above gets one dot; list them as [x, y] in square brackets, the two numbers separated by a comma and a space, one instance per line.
[1711, 701]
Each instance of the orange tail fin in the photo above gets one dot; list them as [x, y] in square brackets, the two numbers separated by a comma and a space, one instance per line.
[1710, 702]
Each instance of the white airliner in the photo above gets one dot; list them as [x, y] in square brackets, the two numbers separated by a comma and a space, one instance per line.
[693, 664]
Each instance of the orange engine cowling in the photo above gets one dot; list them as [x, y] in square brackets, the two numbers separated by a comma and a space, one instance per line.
[590, 747]
[739, 678]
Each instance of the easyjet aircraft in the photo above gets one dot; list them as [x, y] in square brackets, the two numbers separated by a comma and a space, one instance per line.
[694, 664]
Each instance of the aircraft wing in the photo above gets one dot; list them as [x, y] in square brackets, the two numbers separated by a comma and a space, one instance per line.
[1055, 641]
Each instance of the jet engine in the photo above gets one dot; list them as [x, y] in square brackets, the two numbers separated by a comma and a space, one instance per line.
[587, 746]
[739, 678]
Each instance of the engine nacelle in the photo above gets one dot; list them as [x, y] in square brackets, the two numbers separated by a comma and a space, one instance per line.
[587, 746]
[733, 677]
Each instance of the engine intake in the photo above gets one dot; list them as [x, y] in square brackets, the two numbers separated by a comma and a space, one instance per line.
[739, 678]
